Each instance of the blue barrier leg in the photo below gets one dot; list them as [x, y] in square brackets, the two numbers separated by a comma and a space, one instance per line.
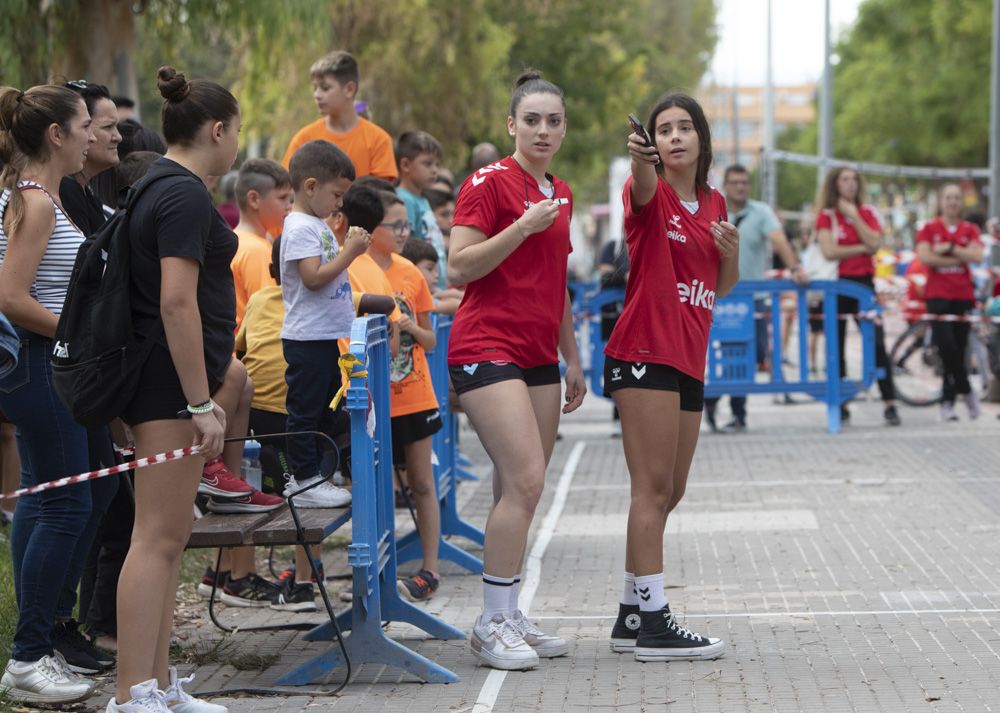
[324, 631]
[394, 608]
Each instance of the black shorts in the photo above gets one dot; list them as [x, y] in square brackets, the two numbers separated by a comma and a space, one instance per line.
[466, 377]
[659, 377]
[411, 428]
[159, 395]
[816, 316]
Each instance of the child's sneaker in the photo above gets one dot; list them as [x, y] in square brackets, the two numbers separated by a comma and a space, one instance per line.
[499, 644]
[220, 482]
[419, 587]
[146, 698]
[180, 701]
[205, 586]
[254, 501]
[296, 596]
[545, 645]
[47, 680]
[948, 411]
[661, 638]
[626, 629]
[250, 591]
[972, 403]
[324, 495]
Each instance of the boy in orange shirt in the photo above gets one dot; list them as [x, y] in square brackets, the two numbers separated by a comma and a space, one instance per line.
[264, 195]
[335, 80]
[413, 405]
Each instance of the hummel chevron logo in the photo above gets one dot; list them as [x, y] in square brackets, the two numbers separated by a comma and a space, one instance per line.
[644, 594]
[470, 369]
[639, 371]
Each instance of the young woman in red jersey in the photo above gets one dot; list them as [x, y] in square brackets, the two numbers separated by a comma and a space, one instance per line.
[850, 232]
[947, 246]
[509, 247]
[683, 254]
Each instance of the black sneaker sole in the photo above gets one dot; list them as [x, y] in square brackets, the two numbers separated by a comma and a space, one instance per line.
[237, 601]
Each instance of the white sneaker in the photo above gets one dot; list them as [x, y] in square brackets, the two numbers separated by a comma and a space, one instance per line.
[47, 680]
[498, 643]
[180, 701]
[146, 698]
[546, 646]
[972, 403]
[324, 495]
[948, 411]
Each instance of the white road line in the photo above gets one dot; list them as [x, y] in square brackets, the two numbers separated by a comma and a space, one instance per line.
[494, 681]
[775, 614]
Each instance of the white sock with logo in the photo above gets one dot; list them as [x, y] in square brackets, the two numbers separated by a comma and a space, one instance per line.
[496, 595]
[515, 592]
[650, 591]
[629, 596]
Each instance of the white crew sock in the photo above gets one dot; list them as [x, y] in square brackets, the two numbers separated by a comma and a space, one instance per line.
[515, 592]
[650, 591]
[496, 595]
[629, 596]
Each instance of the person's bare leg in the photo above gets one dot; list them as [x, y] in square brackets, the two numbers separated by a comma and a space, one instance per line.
[234, 397]
[650, 430]
[421, 477]
[499, 412]
[147, 587]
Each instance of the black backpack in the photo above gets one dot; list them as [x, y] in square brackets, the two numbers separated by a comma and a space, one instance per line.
[97, 357]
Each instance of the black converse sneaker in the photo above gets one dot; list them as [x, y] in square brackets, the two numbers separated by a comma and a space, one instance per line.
[661, 638]
[626, 629]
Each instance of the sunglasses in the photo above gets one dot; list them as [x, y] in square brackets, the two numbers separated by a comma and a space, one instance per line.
[399, 227]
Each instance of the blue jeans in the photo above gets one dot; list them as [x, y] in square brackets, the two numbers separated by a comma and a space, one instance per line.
[313, 378]
[48, 526]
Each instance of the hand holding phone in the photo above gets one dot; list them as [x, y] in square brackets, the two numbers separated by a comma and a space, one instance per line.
[640, 130]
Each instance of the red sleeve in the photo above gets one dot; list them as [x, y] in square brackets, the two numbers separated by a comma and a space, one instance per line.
[975, 237]
[823, 221]
[870, 216]
[635, 218]
[924, 234]
[477, 204]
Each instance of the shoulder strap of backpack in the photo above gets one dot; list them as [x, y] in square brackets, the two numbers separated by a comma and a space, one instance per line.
[140, 186]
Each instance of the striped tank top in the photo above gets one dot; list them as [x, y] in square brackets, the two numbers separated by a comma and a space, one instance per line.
[56, 267]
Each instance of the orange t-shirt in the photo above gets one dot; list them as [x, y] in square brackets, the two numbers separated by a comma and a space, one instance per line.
[250, 268]
[367, 278]
[368, 146]
[410, 387]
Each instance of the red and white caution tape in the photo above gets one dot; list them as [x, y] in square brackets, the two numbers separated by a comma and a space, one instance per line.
[104, 472]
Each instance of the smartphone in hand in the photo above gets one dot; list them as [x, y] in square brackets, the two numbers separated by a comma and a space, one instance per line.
[639, 129]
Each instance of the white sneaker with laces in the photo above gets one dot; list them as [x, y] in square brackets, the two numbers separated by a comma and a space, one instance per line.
[972, 403]
[948, 411]
[47, 680]
[498, 643]
[180, 701]
[545, 646]
[146, 698]
[324, 495]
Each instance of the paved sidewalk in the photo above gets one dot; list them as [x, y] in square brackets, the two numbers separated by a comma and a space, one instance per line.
[857, 572]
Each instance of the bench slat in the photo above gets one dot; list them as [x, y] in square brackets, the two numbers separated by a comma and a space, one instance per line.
[317, 522]
[218, 530]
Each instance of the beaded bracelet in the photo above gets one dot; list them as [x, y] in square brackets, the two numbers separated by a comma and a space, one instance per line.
[204, 407]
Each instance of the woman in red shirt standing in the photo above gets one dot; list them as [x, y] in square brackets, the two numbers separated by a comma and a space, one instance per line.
[509, 247]
[683, 253]
[947, 246]
[850, 233]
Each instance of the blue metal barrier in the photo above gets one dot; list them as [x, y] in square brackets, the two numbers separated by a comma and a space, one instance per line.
[732, 345]
[445, 468]
[372, 553]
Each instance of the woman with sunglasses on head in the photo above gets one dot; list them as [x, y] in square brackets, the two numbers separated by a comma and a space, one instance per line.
[849, 232]
[509, 247]
[683, 254]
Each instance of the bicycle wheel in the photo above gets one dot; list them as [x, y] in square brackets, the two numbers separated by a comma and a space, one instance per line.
[916, 367]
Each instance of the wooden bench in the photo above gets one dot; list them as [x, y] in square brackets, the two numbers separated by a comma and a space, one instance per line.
[267, 528]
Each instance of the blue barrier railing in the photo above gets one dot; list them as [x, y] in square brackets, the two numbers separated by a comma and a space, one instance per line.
[372, 552]
[732, 342]
[446, 468]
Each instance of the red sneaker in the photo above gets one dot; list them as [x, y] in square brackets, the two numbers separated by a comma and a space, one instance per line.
[221, 483]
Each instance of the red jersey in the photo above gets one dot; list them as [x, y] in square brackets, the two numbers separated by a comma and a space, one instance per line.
[671, 288]
[513, 313]
[847, 234]
[955, 281]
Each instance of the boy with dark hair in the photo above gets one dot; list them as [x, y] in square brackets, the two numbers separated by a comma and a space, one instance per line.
[318, 303]
[423, 255]
[418, 155]
[264, 197]
[335, 78]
